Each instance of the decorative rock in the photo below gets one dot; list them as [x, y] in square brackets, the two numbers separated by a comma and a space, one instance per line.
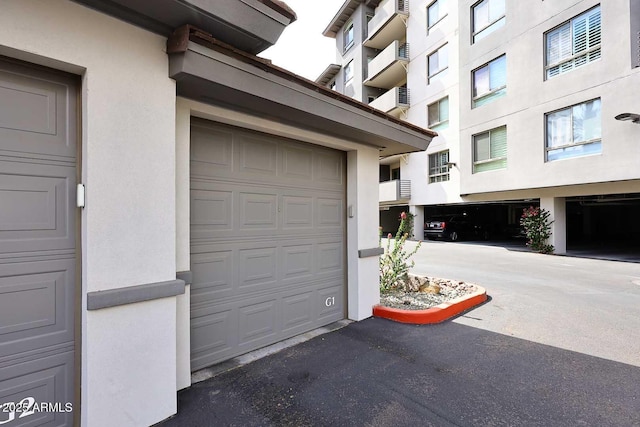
[419, 293]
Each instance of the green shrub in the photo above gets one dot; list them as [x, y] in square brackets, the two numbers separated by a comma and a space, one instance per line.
[537, 227]
[394, 263]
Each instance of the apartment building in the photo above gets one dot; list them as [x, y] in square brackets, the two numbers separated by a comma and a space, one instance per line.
[535, 103]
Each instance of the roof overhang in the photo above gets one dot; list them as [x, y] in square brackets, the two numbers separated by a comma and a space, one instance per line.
[344, 14]
[211, 72]
[249, 25]
[328, 74]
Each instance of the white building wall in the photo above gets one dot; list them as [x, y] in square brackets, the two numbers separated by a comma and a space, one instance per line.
[353, 88]
[423, 42]
[128, 166]
[529, 97]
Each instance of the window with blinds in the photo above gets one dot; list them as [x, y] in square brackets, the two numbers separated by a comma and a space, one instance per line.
[438, 167]
[438, 114]
[490, 150]
[574, 43]
[490, 81]
[574, 131]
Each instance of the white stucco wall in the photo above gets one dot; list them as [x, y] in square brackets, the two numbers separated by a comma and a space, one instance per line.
[530, 96]
[128, 225]
[422, 43]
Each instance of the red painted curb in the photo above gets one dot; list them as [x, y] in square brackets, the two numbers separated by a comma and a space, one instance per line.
[435, 314]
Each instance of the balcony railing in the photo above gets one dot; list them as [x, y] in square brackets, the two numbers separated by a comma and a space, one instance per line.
[393, 191]
[403, 96]
[393, 101]
[388, 68]
[388, 23]
[403, 51]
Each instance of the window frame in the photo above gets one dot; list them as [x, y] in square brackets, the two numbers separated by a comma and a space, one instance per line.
[349, 66]
[475, 98]
[491, 159]
[432, 125]
[474, 32]
[348, 28]
[547, 149]
[439, 176]
[574, 56]
[440, 18]
[441, 70]
[394, 173]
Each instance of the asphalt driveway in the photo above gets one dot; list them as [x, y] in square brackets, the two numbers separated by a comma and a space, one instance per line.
[380, 373]
[558, 344]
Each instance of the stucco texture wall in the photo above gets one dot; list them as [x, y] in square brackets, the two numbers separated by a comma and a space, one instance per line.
[128, 225]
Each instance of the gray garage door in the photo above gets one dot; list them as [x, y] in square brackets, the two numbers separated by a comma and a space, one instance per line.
[37, 243]
[267, 240]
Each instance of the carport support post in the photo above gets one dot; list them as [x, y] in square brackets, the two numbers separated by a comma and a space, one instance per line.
[418, 221]
[557, 207]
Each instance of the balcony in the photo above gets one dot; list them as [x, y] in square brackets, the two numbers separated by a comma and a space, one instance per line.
[396, 190]
[388, 24]
[388, 68]
[393, 102]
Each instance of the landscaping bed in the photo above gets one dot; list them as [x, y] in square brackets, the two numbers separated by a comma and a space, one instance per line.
[425, 300]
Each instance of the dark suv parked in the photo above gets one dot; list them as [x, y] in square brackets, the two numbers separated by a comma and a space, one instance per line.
[453, 227]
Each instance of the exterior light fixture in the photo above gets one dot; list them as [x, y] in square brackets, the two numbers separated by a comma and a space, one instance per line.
[635, 118]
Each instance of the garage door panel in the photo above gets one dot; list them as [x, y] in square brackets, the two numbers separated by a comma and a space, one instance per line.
[211, 210]
[297, 162]
[256, 156]
[35, 120]
[35, 298]
[212, 275]
[297, 261]
[266, 236]
[331, 303]
[257, 211]
[298, 312]
[329, 168]
[213, 334]
[37, 202]
[38, 381]
[330, 257]
[257, 269]
[258, 323]
[330, 213]
[211, 160]
[297, 212]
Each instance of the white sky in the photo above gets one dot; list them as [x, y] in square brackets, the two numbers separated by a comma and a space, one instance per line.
[302, 48]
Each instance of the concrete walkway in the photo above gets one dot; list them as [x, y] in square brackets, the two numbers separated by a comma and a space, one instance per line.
[557, 345]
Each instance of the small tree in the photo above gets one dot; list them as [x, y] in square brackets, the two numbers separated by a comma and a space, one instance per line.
[394, 265]
[537, 227]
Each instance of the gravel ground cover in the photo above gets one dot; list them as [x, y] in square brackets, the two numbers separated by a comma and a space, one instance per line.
[431, 292]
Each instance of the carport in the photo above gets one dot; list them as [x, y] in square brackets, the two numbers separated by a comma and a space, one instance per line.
[604, 226]
[499, 220]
